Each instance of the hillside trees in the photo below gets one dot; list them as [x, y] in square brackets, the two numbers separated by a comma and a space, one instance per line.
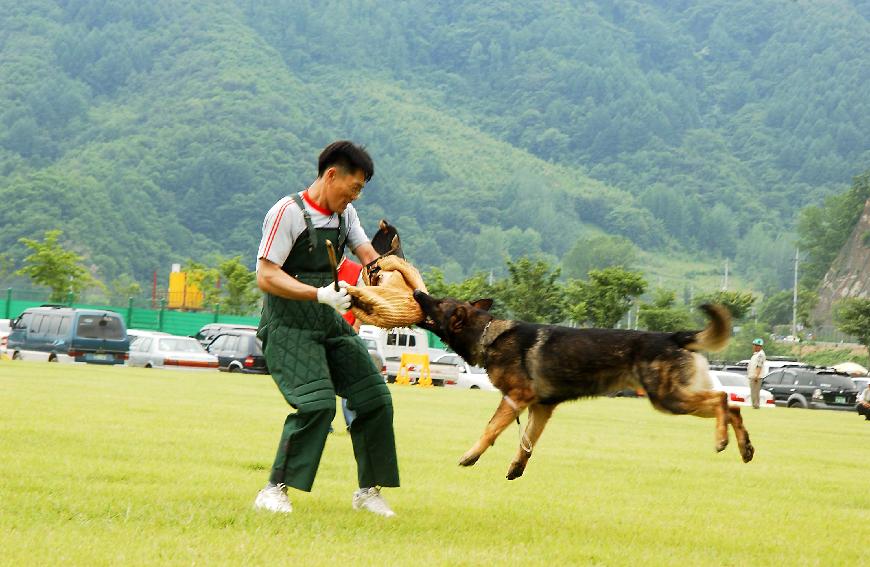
[852, 316]
[240, 293]
[824, 229]
[606, 296]
[596, 253]
[777, 308]
[739, 303]
[167, 129]
[663, 314]
[53, 266]
[531, 292]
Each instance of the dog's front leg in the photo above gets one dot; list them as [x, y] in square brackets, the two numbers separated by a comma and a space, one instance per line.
[539, 415]
[506, 412]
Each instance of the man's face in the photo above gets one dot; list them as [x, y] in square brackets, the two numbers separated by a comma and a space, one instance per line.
[343, 188]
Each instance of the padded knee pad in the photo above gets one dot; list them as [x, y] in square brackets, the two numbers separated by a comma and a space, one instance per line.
[368, 395]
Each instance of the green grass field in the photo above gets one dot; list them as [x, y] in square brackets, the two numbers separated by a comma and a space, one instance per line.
[121, 466]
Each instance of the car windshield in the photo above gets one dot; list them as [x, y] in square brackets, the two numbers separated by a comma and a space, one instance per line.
[729, 379]
[180, 344]
[99, 327]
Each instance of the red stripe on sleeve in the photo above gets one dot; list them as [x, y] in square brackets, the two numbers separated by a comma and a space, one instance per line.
[275, 229]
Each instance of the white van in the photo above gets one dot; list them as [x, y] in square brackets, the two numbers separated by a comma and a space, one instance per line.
[395, 342]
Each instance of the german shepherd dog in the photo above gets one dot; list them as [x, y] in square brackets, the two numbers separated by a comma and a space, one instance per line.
[537, 367]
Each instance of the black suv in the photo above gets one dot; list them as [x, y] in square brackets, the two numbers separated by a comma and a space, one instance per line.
[239, 350]
[208, 332]
[813, 388]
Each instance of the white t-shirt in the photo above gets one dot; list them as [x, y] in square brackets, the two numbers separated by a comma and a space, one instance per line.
[284, 223]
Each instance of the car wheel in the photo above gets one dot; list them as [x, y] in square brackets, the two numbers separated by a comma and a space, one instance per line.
[16, 355]
[234, 368]
[475, 387]
[796, 404]
[148, 365]
[52, 358]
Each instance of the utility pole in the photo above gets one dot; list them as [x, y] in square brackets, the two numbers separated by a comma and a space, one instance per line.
[725, 282]
[795, 294]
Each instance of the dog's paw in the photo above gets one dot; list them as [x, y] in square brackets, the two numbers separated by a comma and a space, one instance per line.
[720, 446]
[468, 459]
[748, 452]
[516, 470]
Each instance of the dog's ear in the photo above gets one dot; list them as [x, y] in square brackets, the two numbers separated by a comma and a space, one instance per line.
[457, 319]
[485, 304]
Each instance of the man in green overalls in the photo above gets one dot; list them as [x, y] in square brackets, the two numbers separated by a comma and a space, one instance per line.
[312, 352]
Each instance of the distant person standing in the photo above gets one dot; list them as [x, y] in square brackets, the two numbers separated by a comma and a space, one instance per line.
[863, 406]
[755, 371]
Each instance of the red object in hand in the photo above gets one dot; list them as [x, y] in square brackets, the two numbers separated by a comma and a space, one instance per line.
[348, 271]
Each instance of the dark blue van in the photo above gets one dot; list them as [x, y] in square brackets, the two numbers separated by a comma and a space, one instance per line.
[66, 334]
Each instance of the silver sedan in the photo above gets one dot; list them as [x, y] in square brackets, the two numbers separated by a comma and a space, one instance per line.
[162, 350]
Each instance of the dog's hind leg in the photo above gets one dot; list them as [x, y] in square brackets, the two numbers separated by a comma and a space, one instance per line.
[506, 412]
[539, 415]
[746, 449]
[704, 403]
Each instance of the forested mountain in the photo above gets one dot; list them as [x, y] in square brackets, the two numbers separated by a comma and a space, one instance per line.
[156, 131]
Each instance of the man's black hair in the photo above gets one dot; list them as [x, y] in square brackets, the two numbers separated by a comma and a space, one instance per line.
[348, 156]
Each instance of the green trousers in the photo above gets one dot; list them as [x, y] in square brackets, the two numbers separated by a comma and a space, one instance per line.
[314, 355]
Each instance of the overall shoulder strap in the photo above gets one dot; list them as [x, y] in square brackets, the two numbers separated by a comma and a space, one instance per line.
[312, 234]
[343, 231]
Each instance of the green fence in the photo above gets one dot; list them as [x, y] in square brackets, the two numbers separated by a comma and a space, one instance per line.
[14, 302]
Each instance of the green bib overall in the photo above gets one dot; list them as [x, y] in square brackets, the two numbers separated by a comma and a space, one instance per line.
[314, 354]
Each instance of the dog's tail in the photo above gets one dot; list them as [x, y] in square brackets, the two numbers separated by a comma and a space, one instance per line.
[714, 336]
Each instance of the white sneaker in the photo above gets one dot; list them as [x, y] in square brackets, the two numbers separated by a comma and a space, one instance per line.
[370, 499]
[273, 499]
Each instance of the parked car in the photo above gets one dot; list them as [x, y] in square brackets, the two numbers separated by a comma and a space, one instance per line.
[376, 354]
[738, 368]
[57, 333]
[208, 332]
[737, 387]
[813, 388]
[162, 350]
[475, 378]
[5, 327]
[773, 363]
[239, 350]
[472, 377]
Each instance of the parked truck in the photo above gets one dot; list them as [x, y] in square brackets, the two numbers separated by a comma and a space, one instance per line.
[393, 343]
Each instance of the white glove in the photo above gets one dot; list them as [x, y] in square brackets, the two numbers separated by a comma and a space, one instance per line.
[338, 300]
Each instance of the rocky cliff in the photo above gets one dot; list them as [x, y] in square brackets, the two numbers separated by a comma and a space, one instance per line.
[849, 275]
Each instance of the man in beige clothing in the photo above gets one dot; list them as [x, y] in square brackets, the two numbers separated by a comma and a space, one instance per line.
[863, 406]
[755, 371]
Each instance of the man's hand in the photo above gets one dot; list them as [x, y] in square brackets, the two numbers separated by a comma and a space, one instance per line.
[338, 300]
